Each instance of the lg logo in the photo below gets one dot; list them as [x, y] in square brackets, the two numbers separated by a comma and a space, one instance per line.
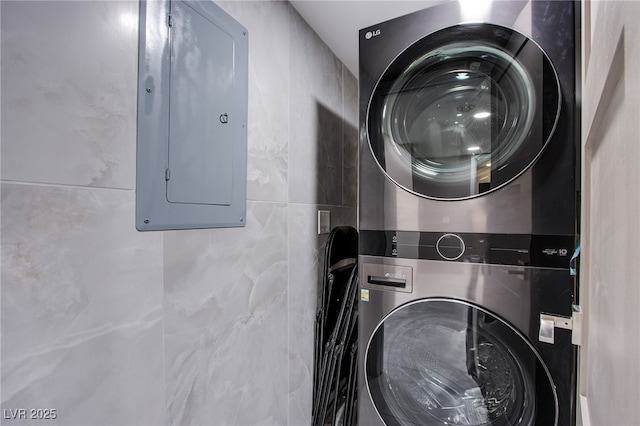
[370, 34]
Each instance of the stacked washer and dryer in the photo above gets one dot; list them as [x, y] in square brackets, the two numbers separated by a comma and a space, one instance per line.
[469, 153]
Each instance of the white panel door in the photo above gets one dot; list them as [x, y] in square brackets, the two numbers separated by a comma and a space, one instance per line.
[609, 394]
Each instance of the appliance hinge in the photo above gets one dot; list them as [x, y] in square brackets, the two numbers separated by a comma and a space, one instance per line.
[548, 324]
[167, 174]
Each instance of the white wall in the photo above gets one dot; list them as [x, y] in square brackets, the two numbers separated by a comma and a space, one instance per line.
[110, 326]
[610, 293]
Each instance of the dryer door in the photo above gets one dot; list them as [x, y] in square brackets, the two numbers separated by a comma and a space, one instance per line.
[463, 111]
[443, 361]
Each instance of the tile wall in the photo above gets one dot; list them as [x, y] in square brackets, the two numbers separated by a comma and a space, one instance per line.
[110, 326]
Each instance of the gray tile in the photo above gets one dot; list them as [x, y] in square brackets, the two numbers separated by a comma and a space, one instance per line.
[315, 148]
[350, 98]
[350, 140]
[350, 167]
[69, 79]
[268, 130]
[85, 327]
[306, 260]
[81, 306]
[226, 322]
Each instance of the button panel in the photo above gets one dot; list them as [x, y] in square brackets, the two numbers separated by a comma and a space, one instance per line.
[549, 251]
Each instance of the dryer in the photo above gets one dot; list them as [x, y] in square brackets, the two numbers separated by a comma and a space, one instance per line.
[468, 119]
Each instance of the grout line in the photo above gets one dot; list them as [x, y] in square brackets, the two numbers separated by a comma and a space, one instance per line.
[62, 185]
[165, 413]
[290, 28]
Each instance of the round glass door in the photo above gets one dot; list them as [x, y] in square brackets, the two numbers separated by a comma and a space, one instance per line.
[447, 362]
[463, 111]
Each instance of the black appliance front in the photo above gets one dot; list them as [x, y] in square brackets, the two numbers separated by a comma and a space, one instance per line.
[468, 120]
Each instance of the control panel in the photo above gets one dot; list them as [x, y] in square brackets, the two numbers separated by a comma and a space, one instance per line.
[548, 251]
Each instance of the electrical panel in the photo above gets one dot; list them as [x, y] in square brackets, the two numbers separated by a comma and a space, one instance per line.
[192, 117]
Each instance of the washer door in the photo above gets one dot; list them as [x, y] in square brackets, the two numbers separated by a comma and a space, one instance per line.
[463, 111]
[447, 362]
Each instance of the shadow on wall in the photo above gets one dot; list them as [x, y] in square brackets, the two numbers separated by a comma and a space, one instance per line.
[329, 158]
[336, 191]
[337, 173]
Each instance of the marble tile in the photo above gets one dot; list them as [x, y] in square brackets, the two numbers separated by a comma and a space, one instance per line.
[350, 140]
[350, 98]
[81, 306]
[315, 148]
[268, 131]
[86, 327]
[226, 322]
[306, 260]
[69, 78]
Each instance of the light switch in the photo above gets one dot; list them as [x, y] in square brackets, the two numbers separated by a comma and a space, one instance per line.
[324, 221]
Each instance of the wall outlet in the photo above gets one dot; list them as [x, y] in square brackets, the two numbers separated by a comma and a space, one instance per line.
[324, 222]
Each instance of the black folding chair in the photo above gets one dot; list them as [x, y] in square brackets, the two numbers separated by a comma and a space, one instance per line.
[336, 320]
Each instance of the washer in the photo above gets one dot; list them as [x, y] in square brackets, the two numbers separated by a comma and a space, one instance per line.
[467, 215]
[468, 119]
[462, 343]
